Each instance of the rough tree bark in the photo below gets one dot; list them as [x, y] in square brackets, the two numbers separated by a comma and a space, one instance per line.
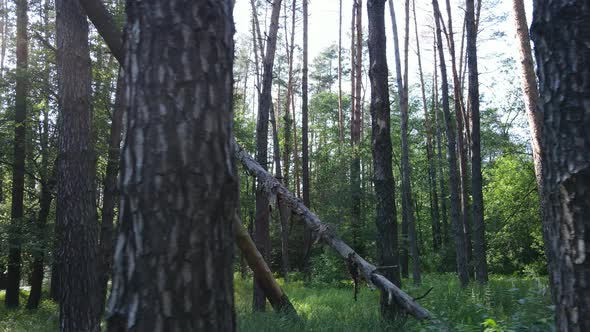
[178, 178]
[385, 219]
[18, 169]
[460, 245]
[479, 240]
[561, 34]
[76, 219]
[261, 229]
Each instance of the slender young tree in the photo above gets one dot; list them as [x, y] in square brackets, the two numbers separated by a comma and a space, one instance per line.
[382, 152]
[461, 129]
[76, 218]
[106, 239]
[459, 234]
[434, 215]
[47, 175]
[479, 241]
[178, 178]
[340, 111]
[355, 127]
[261, 229]
[561, 35]
[18, 169]
[529, 86]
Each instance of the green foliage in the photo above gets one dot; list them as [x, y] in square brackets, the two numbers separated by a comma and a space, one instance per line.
[514, 232]
[505, 304]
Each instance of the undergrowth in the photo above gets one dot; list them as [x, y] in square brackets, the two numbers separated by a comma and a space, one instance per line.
[505, 304]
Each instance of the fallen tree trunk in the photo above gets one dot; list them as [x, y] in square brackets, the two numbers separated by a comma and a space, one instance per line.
[323, 232]
[275, 295]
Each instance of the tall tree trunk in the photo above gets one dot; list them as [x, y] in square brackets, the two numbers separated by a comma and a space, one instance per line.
[439, 143]
[76, 218]
[47, 180]
[307, 240]
[381, 146]
[18, 169]
[461, 123]
[460, 245]
[176, 198]
[355, 129]
[290, 46]
[529, 86]
[481, 268]
[561, 35]
[435, 217]
[106, 244]
[401, 105]
[262, 234]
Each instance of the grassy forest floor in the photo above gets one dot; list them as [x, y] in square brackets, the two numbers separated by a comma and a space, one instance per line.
[506, 304]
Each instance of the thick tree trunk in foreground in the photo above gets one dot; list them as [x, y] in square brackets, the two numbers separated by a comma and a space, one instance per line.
[261, 229]
[562, 48]
[479, 240]
[381, 146]
[178, 181]
[18, 170]
[76, 218]
[462, 268]
[324, 233]
[111, 194]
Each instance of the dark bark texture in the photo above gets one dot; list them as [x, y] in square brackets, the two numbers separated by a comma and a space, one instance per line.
[562, 48]
[174, 249]
[18, 170]
[76, 218]
[381, 146]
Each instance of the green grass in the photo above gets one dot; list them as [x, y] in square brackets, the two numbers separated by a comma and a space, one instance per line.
[505, 304]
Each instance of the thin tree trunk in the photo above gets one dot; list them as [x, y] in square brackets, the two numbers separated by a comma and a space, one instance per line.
[529, 86]
[262, 234]
[47, 181]
[561, 35]
[355, 130]
[290, 46]
[381, 146]
[436, 236]
[106, 244]
[460, 245]
[440, 162]
[461, 147]
[176, 198]
[76, 218]
[284, 212]
[481, 268]
[18, 170]
[305, 163]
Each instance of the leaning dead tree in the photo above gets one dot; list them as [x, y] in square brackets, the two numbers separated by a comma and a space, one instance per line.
[322, 232]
